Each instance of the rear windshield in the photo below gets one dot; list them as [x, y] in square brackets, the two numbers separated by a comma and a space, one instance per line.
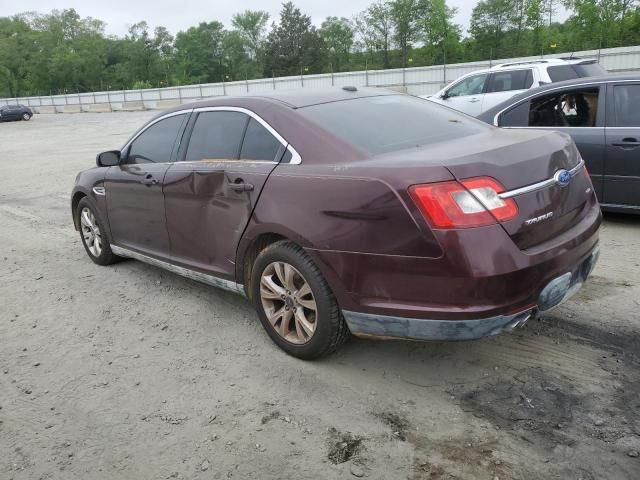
[559, 73]
[391, 122]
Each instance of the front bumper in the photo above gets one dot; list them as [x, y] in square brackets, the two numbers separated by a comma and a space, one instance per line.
[553, 294]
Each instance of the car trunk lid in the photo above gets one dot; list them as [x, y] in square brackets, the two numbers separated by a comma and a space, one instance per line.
[541, 171]
[518, 159]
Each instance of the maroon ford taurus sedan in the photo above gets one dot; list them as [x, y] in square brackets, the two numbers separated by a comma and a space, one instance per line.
[349, 211]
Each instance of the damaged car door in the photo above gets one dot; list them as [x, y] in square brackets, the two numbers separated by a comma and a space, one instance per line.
[211, 193]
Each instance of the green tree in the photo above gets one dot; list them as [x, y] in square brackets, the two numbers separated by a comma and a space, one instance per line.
[490, 20]
[599, 23]
[70, 51]
[237, 63]
[535, 20]
[163, 44]
[199, 53]
[293, 45]
[251, 24]
[404, 15]
[375, 29]
[61, 51]
[441, 36]
[337, 34]
[17, 54]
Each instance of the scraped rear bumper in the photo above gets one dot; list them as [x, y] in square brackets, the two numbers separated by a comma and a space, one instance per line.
[553, 294]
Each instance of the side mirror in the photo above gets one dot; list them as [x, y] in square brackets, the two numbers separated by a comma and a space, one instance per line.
[445, 95]
[108, 159]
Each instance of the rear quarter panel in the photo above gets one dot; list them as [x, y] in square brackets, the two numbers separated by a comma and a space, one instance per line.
[339, 208]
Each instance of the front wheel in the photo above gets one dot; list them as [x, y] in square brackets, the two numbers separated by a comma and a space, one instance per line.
[26, 117]
[93, 235]
[295, 303]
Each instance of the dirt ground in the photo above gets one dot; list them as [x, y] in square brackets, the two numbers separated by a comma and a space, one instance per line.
[131, 372]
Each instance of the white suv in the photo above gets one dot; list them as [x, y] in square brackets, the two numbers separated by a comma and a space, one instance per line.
[484, 89]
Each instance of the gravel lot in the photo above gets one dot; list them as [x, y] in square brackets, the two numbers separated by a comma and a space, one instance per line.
[130, 372]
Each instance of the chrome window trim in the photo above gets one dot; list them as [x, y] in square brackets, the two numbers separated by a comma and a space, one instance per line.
[604, 82]
[185, 272]
[540, 185]
[295, 156]
[558, 128]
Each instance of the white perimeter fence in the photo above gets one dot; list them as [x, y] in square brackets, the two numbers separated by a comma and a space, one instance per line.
[416, 81]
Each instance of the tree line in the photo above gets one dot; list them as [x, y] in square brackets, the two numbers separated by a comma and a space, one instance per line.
[58, 52]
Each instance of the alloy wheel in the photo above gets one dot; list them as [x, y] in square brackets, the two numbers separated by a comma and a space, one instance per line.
[288, 302]
[91, 232]
[26, 116]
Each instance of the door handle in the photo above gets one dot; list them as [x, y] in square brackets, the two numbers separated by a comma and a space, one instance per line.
[474, 100]
[149, 180]
[628, 142]
[240, 186]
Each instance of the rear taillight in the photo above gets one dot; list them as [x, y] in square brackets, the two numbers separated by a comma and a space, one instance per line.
[470, 203]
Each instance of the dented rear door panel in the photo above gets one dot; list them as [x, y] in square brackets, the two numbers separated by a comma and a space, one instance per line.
[207, 211]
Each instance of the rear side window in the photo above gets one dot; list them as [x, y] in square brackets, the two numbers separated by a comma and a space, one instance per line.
[155, 144]
[512, 80]
[517, 116]
[389, 123]
[627, 105]
[259, 144]
[558, 73]
[217, 136]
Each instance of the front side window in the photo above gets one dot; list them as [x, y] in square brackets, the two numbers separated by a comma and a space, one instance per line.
[389, 123]
[155, 144]
[627, 105]
[567, 108]
[511, 80]
[259, 144]
[473, 85]
[217, 135]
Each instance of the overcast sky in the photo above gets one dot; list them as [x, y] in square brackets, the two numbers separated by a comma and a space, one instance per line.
[181, 14]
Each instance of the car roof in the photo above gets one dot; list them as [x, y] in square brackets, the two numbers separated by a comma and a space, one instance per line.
[488, 115]
[296, 98]
[527, 64]
[544, 61]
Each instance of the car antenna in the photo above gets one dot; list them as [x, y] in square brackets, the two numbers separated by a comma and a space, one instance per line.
[350, 89]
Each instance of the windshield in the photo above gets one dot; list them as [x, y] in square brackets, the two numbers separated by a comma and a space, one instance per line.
[391, 122]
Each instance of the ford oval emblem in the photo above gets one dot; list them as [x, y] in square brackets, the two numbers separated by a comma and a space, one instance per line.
[563, 177]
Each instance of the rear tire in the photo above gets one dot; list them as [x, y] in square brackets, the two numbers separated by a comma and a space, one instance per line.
[295, 303]
[94, 236]
[26, 117]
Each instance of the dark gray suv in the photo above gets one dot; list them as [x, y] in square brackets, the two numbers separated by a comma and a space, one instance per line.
[602, 114]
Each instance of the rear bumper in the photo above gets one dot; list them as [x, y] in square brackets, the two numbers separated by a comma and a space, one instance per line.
[557, 291]
[382, 326]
